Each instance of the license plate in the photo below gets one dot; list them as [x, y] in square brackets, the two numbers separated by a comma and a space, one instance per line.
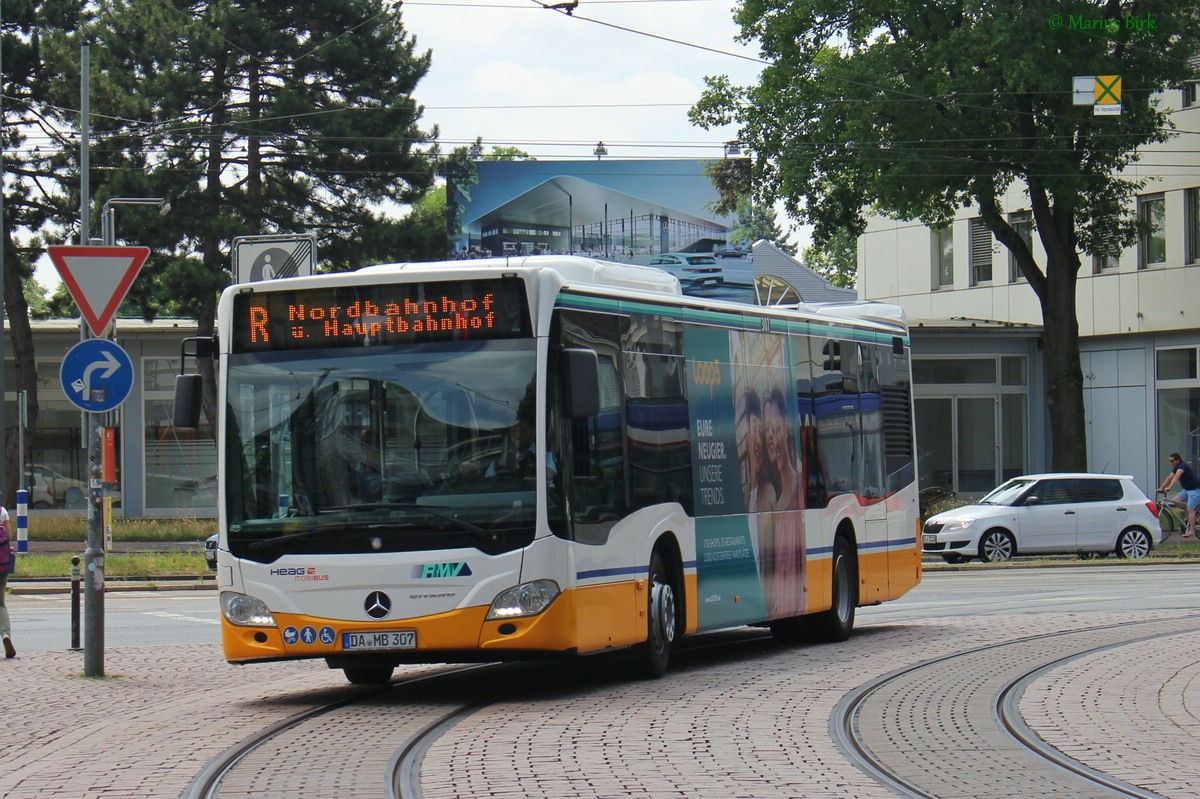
[929, 539]
[379, 639]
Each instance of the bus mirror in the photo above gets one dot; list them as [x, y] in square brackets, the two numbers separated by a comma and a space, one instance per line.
[581, 383]
[188, 399]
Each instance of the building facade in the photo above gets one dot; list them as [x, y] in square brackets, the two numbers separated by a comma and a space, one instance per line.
[162, 471]
[980, 397]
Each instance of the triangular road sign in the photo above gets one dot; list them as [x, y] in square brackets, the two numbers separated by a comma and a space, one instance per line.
[98, 278]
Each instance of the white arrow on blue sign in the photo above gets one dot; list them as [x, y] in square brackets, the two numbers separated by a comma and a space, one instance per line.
[97, 375]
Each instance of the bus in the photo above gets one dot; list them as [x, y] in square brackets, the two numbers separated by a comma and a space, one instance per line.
[549, 456]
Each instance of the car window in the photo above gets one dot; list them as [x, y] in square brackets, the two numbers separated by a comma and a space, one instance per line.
[1100, 491]
[1054, 492]
[656, 261]
[701, 260]
[1006, 494]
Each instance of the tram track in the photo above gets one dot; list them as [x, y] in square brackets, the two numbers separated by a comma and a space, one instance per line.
[368, 743]
[917, 730]
[269, 762]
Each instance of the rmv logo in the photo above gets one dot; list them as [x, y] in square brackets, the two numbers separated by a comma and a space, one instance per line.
[427, 571]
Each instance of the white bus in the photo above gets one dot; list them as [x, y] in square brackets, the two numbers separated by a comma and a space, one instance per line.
[549, 457]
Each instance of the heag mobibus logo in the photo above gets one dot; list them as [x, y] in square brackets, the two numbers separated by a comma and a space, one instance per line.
[303, 574]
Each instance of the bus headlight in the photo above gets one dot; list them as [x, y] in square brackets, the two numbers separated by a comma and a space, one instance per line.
[527, 599]
[245, 610]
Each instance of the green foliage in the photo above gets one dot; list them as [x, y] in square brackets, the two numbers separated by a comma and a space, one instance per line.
[917, 110]
[920, 110]
[836, 260]
[755, 222]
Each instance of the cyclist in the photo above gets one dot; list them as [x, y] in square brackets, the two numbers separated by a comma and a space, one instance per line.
[1189, 484]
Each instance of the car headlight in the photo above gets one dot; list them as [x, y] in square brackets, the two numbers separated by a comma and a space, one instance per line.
[957, 524]
[527, 599]
[245, 610]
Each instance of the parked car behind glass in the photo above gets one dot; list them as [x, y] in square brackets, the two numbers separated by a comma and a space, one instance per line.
[692, 269]
[210, 551]
[1048, 514]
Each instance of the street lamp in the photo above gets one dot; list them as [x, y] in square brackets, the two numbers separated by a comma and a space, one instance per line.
[600, 150]
[107, 228]
[733, 149]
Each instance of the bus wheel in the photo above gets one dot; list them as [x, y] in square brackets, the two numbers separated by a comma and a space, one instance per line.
[661, 619]
[369, 673]
[837, 623]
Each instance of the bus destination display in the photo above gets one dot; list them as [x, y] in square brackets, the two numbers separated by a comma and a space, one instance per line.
[356, 316]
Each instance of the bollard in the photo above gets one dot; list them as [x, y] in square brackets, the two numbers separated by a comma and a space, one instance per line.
[22, 520]
[75, 603]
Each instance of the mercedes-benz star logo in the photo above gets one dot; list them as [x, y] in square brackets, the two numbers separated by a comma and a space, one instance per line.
[378, 604]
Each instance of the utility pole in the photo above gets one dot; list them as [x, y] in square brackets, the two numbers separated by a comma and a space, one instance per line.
[93, 556]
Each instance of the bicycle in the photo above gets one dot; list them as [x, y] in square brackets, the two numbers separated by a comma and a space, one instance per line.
[1172, 515]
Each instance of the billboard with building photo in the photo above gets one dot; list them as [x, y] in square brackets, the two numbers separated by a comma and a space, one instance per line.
[627, 211]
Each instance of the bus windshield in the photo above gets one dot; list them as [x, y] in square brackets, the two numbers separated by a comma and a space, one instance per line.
[384, 448]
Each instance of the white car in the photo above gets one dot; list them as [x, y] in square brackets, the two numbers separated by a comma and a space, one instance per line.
[692, 268]
[1048, 514]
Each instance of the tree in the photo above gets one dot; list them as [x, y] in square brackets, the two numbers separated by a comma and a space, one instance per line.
[35, 197]
[836, 260]
[916, 110]
[756, 222]
[279, 116]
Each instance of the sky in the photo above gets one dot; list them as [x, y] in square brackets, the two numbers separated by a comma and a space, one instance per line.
[624, 72]
[519, 74]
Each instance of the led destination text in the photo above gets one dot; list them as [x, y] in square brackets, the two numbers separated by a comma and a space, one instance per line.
[398, 313]
[365, 318]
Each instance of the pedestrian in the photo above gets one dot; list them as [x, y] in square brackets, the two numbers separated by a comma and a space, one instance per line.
[1189, 494]
[7, 561]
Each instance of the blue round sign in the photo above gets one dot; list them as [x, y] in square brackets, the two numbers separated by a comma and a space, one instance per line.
[97, 375]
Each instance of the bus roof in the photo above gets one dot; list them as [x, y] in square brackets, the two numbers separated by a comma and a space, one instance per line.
[580, 272]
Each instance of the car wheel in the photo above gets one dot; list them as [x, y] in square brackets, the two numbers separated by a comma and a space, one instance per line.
[837, 623]
[996, 546]
[661, 619]
[954, 558]
[369, 673]
[1134, 543]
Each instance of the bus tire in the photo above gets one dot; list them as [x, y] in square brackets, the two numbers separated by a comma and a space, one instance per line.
[836, 624]
[369, 673]
[662, 613]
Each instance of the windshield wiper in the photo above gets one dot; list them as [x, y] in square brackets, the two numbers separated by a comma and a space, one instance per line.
[436, 511]
[263, 543]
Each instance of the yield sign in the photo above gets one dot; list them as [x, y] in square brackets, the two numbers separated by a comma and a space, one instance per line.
[98, 278]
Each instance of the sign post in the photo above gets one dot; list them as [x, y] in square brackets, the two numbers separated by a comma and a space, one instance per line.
[96, 376]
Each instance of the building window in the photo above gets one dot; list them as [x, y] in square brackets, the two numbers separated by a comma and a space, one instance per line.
[1152, 212]
[1192, 227]
[980, 253]
[1176, 364]
[1022, 223]
[1109, 262]
[943, 257]
[972, 420]
[1191, 94]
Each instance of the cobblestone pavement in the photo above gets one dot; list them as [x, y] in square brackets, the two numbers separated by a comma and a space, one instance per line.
[749, 721]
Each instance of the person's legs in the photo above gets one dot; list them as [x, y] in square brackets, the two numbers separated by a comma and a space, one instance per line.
[5, 624]
[1193, 501]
